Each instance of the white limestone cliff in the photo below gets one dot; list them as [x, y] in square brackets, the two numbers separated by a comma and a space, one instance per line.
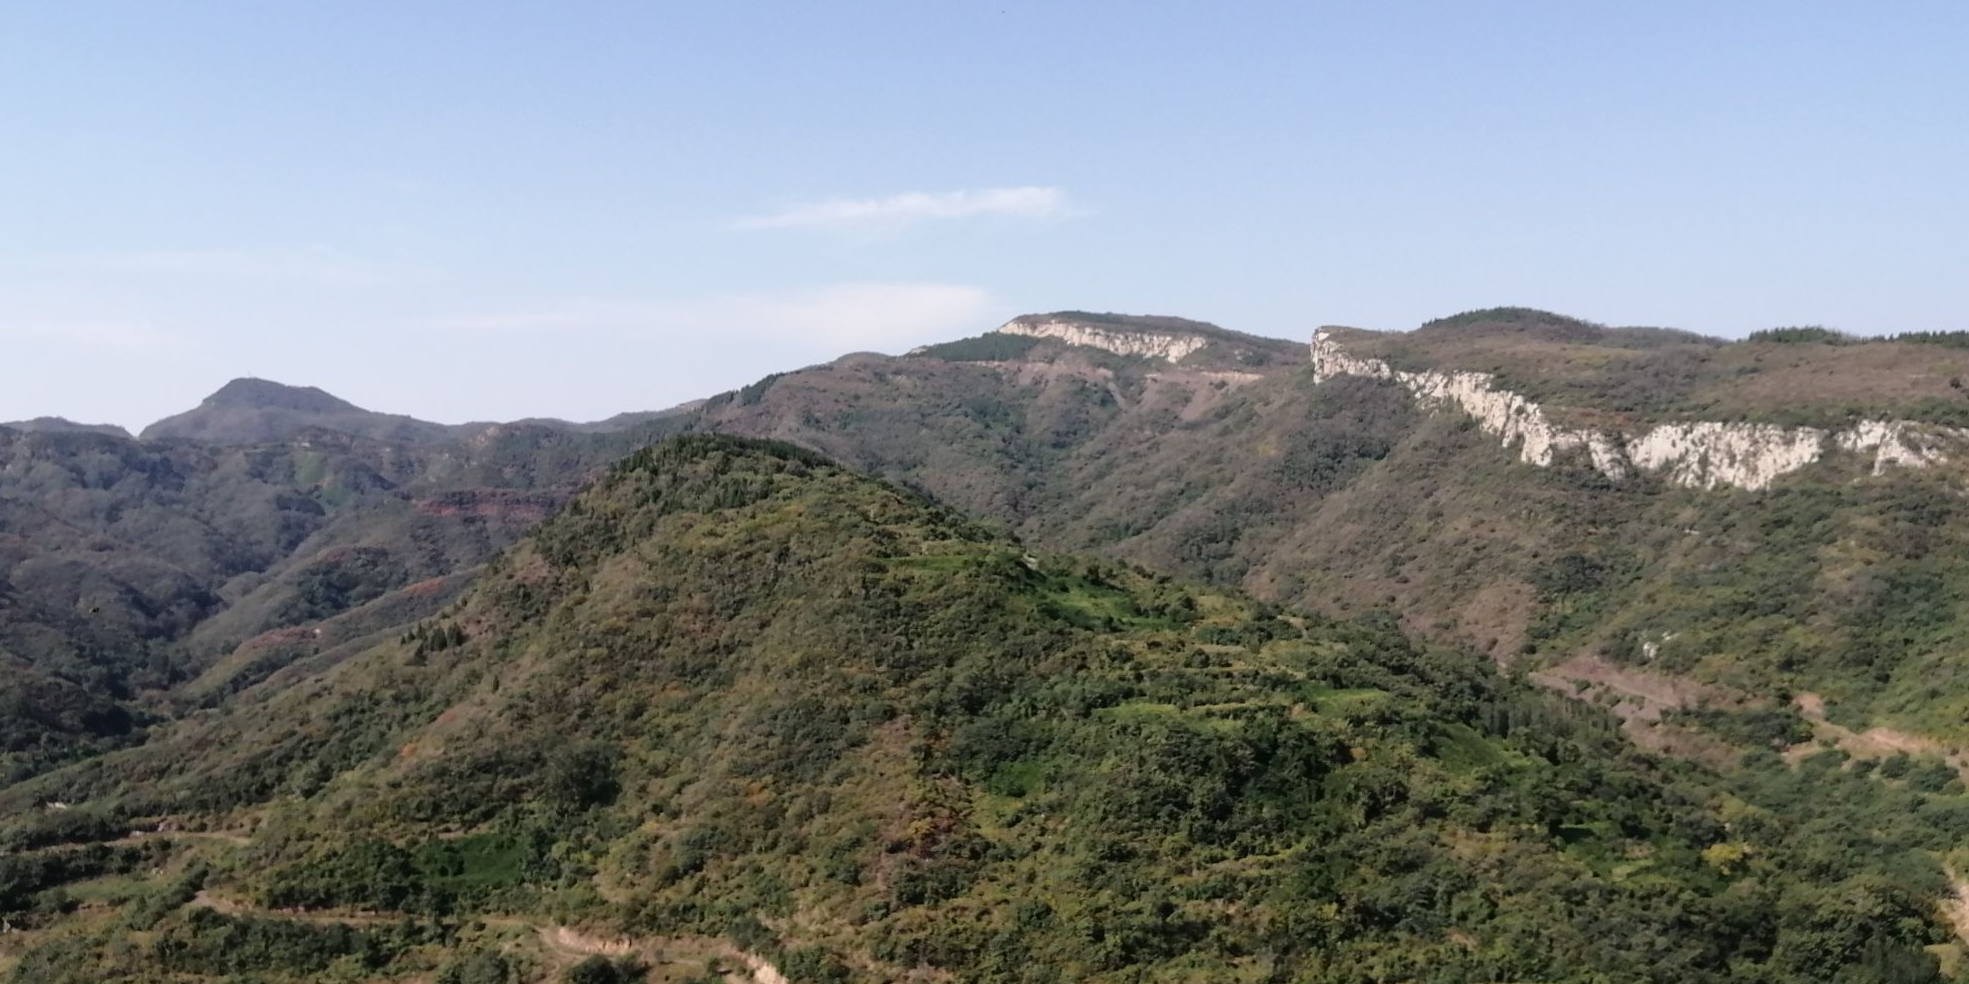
[1901, 443]
[1695, 455]
[1705, 455]
[1166, 346]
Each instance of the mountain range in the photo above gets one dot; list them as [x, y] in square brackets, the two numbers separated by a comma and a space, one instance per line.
[1096, 647]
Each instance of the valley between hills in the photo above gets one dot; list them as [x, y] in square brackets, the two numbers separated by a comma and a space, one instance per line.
[1096, 647]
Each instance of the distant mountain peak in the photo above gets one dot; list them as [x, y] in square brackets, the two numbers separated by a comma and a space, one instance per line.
[256, 411]
[265, 394]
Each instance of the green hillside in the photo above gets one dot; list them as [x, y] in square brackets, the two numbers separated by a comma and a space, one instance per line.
[736, 703]
[1346, 496]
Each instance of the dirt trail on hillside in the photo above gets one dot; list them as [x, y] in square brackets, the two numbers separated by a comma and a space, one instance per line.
[1643, 698]
[572, 944]
[221, 836]
[1873, 742]
[563, 942]
[361, 917]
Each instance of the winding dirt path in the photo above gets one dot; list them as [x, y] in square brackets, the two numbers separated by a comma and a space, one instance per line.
[1874, 742]
[565, 943]
[1643, 699]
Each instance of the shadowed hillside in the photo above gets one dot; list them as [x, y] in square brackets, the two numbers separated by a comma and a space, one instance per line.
[127, 568]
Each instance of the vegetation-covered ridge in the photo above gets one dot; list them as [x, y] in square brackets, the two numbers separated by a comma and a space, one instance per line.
[1704, 454]
[1626, 376]
[734, 690]
[63, 424]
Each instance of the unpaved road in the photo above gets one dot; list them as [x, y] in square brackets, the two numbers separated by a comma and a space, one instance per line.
[1874, 742]
[564, 942]
[1643, 698]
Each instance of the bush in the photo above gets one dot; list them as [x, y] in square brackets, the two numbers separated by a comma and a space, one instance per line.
[602, 970]
[479, 967]
[1931, 775]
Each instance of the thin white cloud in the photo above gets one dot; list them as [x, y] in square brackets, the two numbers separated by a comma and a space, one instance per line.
[836, 318]
[917, 206]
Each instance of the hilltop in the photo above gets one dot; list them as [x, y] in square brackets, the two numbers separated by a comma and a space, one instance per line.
[64, 425]
[1785, 377]
[1149, 338]
[260, 411]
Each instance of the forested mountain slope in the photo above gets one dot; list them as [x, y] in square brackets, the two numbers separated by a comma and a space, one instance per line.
[1842, 575]
[127, 567]
[261, 411]
[735, 692]
[1165, 442]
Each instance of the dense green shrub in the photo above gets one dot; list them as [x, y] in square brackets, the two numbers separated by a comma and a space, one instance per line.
[479, 967]
[602, 970]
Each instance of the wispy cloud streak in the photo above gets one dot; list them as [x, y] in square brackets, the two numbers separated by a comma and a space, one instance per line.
[917, 206]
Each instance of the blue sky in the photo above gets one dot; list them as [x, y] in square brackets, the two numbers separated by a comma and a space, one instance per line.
[487, 210]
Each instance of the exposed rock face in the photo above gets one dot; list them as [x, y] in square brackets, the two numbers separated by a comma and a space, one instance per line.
[1903, 443]
[1166, 346]
[1705, 455]
[1695, 455]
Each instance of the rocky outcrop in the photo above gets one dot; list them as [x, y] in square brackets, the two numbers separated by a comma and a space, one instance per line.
[1166, 346]
[1705, 455]
[1702, 455]
[1899, 443]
